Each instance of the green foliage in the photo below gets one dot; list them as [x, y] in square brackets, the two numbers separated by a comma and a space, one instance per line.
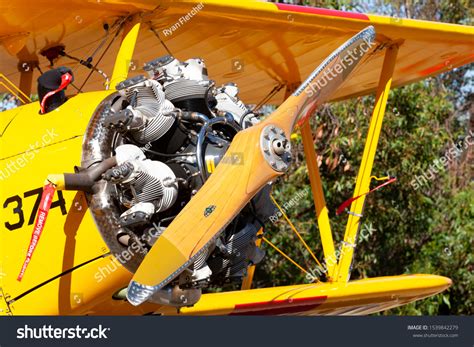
[427, 230]
[416, 226]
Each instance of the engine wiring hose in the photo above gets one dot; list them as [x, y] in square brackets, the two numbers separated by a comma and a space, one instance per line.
[84, 180]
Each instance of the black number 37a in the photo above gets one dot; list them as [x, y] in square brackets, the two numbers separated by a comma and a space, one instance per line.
[16, 204]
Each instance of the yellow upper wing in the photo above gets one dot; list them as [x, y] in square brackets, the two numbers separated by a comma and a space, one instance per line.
[258, 45]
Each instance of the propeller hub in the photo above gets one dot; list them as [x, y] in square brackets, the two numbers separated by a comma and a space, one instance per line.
[276, 148]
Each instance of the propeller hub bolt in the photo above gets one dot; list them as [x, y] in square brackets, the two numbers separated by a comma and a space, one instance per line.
[276, 148]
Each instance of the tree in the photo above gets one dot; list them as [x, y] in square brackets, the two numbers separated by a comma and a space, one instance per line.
[422, 224]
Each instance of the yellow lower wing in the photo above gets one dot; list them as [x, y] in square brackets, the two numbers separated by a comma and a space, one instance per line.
[353, 298]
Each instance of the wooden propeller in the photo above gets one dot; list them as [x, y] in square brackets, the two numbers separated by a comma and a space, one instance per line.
[256, 156]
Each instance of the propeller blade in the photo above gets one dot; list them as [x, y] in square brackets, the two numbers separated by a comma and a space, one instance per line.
[256, 156]
[320, 86]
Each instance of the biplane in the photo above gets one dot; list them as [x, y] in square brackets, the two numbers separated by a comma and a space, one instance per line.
[140, 177]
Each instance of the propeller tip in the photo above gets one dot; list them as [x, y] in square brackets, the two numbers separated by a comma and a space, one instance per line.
[138, 293]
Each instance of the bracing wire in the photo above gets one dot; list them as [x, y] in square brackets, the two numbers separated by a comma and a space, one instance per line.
[292, 226]
[287, 257]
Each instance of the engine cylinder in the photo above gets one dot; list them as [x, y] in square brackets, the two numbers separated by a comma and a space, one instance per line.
[147, 101]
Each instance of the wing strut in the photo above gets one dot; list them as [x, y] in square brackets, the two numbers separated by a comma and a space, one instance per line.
[363, 178]
[124, 56]
[12, 88]
[247, 281]
[322, 215]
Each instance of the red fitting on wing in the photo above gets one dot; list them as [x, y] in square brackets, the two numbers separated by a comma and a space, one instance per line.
[346, 203]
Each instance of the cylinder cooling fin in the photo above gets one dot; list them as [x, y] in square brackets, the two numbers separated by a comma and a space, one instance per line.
[167, 132]
[151, 112]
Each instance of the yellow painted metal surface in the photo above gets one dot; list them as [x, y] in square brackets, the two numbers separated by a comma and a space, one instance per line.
[322, 215]
[255, 44]
[70, 271]
[124, 56]
[237, 46]
[365, 170]
[353, 298]
[32, 147]
[80, 292]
